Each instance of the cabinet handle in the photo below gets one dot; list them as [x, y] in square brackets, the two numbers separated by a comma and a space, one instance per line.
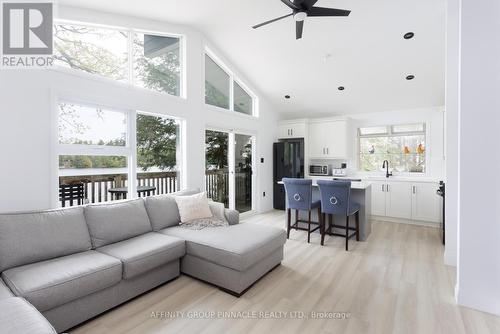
[291, 132]
[414, 188]
[327, 150]
[387, 187]
[383, 188]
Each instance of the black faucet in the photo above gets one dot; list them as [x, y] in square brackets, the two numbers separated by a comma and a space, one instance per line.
[385, 165]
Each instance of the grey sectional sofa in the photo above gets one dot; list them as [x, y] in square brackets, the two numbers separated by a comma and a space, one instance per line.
[73, 264]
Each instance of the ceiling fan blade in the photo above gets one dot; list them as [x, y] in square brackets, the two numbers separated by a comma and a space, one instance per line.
[309, 3]
[299, 27]
[291, 5]
[271, 21]
[320, 11]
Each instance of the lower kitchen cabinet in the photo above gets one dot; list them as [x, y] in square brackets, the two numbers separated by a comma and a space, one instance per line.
[378, 198]
[398, 200]
[425, 203]
[406, 200]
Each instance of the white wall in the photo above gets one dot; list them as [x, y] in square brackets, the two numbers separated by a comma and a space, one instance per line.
[479, 189]
[28, 171]
[451, 138]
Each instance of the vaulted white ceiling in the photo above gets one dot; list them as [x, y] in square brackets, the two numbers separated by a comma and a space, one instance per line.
[365, 52]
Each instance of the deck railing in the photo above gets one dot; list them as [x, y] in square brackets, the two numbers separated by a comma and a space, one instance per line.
[96, 187]
[217, 185]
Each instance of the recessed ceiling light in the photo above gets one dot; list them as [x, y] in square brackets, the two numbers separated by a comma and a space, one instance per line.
[341, 88]
[410, 77]
[287, 96]
[408, 35]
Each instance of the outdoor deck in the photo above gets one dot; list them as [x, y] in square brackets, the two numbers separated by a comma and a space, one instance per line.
[96, 188]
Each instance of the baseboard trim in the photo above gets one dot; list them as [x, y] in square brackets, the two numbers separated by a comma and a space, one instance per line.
[406, 221]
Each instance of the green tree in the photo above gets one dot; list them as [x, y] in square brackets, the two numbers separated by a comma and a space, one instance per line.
[216, 149]
[156, 142]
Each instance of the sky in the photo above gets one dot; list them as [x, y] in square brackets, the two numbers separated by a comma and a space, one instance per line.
[111, 125]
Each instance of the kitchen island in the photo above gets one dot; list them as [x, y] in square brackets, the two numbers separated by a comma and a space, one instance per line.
[360, 193]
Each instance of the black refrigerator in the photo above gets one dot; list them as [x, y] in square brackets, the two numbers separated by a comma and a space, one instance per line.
[288, 161]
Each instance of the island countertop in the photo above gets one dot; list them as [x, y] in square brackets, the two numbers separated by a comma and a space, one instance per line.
[354, 185]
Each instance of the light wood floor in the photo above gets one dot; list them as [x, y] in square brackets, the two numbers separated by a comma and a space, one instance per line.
[393, 283]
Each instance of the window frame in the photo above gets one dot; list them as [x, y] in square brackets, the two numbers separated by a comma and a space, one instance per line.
[391, 134]
[129, 82]
[232, 79]
[129, 151]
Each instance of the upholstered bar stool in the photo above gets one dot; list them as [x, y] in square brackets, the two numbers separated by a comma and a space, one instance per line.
[336, 200]
[299, 195]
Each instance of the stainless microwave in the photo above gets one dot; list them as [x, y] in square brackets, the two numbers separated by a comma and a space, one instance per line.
[321, 170]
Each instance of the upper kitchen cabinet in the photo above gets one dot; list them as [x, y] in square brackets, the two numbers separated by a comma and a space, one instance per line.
[328, 139]
[292, 129]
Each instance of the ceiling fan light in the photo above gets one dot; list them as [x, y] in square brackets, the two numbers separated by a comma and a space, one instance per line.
[299, 16]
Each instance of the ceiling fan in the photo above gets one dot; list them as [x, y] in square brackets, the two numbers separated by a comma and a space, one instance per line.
[302, 9]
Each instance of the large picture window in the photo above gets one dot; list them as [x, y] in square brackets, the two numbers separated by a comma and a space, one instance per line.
[158, 154]
[145, 60]
[93, 50]
[100, 158]
[404, 146]
[223, 91]
[157, 63]
[217, 83]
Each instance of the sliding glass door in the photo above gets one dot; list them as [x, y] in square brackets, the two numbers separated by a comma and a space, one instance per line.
[243, 146]
[229, 166]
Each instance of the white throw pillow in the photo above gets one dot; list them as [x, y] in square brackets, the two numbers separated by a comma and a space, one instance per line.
[193, 207]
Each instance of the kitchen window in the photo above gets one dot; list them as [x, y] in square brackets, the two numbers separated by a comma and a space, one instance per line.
[224, 91]
[403, 145]
[146, 60]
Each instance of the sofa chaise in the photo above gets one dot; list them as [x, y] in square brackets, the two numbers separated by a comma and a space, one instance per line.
[75, 263]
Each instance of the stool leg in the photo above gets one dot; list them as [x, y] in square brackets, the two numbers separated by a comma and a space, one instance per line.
[309, 227]
[330, 223]
[323, 230]
[288, 222]
[296, 219]
[357, 226]
[347, 233]
[321, 226]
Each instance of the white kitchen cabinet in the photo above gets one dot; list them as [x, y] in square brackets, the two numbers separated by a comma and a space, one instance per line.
[406, 200]
[328, 139]
[425, 203]
[378, 198]
[291, 130]
[398, 200]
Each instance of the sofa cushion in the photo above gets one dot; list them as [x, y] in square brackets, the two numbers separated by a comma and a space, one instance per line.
[162, 209]
[4, 291]
[55, 282]
[193, 207]
[20, 317]
[31, 237]
[112, 222]
[145, 252]
[235, 246]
